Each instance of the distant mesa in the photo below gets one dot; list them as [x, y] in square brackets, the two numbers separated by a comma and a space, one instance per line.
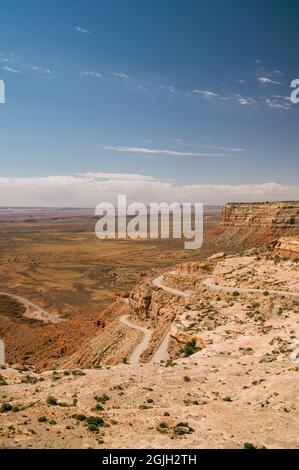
[269, 215]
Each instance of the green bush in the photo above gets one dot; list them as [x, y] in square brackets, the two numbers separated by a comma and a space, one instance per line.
[5, 407]
[189, 348]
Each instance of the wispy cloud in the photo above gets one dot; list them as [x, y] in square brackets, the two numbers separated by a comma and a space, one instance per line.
[171, 89]
[9, 58]
[124, 76]
[232, 97]
[209, 146]
[206, 93]
[117, 176]
[92, 73]
[243, 100]
[40, 69]
[267, 81]
[151, 151]
[12, 63]
[279, 103]
[11, 69]
[126, 79]
[80, 29]
[227, 149]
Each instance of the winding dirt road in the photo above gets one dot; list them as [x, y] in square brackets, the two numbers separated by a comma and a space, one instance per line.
[244, 290]
[161, 352]
[158, 282]
[39, 314]
[143, 345]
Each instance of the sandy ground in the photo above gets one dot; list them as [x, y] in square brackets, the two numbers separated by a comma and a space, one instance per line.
[249, 271]
[227, 401]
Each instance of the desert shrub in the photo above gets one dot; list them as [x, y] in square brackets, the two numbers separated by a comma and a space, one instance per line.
[94, 422]
[5, 407]
[249, 445]
[42, 419]
[52, 401]
[227, 398]
[189, 348]
[98, 407]
[79, 417]
[102, 398]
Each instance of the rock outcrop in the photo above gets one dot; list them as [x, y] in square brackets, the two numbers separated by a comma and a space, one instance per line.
[248, 225]
[262, 214]
[287, 247]
[179, 339]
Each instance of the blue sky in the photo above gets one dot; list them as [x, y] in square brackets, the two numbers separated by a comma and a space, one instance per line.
[158, 99]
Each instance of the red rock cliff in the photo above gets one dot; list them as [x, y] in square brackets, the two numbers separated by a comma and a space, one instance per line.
[269, 215]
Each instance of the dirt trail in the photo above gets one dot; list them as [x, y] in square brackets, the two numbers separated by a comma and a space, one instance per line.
[158, 282]
[161, 353]
[245, 290]
[143, 345]
[39, 314]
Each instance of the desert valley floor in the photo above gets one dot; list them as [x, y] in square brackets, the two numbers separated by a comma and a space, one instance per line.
[146, 345]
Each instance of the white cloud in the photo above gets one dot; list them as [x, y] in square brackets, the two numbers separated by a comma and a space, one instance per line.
[267, 81]
[10, 58]
[282, 97]
[227, 149]
[209, 146]
[121, 75]
[171, 89]
[92, 73]
[150, 151]
[40, 69]
[245, 100]
[129, 80]
[82, 30]
[18, 66]
[11, 69]
[237, 98]
[117, 176]
[87, 190]
[206, 93]
[278, 103]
